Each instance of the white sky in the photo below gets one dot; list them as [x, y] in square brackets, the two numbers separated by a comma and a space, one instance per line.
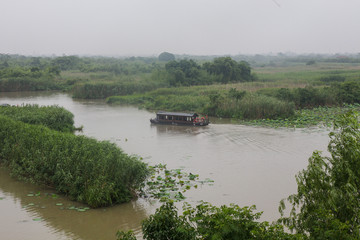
[196, 27]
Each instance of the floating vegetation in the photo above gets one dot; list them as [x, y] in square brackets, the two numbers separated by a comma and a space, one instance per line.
[321, 116]
[167, 184]
[2, 198]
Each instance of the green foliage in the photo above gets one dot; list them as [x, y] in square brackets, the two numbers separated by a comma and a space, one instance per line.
[228, 70]
[328, 190]
[184, 73]
[86, 170]
[166, 224]
[168, 185]
[310, 97]
[122, 235]
[171, 99]
[53, 117]
[209, 222]
[104, 90]
[321, 116]
[249, 106]
[166, 57]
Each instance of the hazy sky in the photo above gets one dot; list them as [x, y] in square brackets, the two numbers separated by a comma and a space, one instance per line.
[197, 27]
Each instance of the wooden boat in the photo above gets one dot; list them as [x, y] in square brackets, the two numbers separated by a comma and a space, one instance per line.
[177, 118]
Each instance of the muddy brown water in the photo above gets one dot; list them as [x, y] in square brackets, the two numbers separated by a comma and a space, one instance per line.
[249, 166]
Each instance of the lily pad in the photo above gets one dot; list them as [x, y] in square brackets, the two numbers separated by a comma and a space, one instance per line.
[59, 204]
[37, 219]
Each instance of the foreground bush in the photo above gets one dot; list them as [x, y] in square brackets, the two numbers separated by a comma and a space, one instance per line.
[86, 170]
[53, 117]
[326, 205]
[208, 222]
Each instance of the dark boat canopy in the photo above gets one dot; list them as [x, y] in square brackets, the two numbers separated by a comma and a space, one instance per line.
[177, 114]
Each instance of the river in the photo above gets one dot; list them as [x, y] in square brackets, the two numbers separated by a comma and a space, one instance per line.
[249, 166]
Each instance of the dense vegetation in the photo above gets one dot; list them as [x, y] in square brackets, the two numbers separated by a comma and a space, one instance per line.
[243, 87]
[326, 205]
[53, 117]
[86, 170]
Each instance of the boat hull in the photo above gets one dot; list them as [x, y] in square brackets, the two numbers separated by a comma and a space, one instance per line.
[181, 123]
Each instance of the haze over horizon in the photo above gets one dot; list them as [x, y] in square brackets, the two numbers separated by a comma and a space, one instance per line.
[195, 27]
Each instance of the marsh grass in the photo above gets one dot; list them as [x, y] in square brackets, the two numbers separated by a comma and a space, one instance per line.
[53, 117]
[97, 173]
[320, 116]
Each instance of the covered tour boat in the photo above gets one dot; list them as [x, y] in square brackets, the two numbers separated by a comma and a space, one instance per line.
[176, 118]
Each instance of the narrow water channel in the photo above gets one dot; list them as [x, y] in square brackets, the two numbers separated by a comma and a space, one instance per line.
[249, 166]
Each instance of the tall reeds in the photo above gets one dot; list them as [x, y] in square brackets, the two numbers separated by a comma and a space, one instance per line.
[97, 173]
[54, 117]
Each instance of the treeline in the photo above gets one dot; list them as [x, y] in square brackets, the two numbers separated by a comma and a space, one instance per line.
[122, 75]
[175, 74]
[97, 173]
[220, 70]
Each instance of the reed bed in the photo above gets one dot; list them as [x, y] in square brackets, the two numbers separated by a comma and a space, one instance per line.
[97, 173]
[53, 117]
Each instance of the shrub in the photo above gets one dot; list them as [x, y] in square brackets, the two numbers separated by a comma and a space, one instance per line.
[209, 222]
[328, 190]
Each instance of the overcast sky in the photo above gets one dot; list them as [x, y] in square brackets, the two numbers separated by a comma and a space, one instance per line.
[196, 27]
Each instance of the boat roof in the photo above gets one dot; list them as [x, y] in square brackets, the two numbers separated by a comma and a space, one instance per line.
[177, 114]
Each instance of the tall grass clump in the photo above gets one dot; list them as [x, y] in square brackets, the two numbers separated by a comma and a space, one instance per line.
[246, 106]
[86, 170]
[254, 106]
[53, 117]
[104, 90]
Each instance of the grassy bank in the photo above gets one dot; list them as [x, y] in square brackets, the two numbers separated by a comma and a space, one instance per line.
[53, 117]
[84, 169]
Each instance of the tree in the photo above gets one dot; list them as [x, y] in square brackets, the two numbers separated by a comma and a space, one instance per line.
[228, 70]
[183, 72]
[166, 57]
[328, 194]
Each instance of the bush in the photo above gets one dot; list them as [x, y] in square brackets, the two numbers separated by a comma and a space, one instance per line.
[329, 189]
[209, 222]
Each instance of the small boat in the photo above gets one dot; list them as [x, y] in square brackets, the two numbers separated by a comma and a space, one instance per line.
[177, 118]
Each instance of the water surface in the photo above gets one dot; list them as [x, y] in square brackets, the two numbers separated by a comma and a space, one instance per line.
[249, 165]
